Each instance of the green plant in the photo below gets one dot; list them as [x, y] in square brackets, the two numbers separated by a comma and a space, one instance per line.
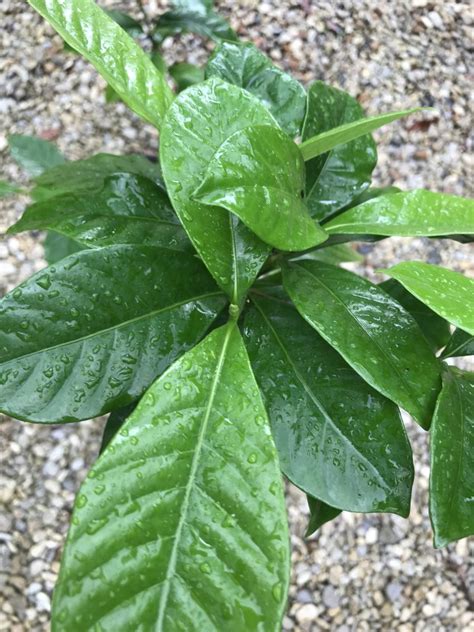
[207, 312]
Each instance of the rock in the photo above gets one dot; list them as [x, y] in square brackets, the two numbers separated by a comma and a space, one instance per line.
[330, 597]
[307, 614]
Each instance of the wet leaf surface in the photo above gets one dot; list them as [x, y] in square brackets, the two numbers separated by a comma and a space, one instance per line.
[91, 333]
[181, 523]
[319, 514]
[372, 331]
[460, 344]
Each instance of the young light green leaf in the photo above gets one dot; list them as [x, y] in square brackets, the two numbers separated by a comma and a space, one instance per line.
[258, 174]
[320, 513]
[242, 64]
[435, 329]
[186, 75]
[337, 438]
[122, 63]
[460, 344]
[57, 247]
[184, 512]
[128, 209]
[335, 179]
[449, 294]
[408, 214]
[91, 333]
[34, 154]
[8, 188]
[452, 459]
[321, 143]
[372, 331]
[198, 122]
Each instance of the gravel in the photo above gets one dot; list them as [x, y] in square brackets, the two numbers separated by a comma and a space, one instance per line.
[361, 572]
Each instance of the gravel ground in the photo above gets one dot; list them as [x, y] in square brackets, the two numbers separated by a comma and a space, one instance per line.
[360, 572]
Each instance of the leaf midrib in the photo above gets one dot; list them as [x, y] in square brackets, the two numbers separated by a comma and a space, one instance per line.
[171, 570]
[115, 327]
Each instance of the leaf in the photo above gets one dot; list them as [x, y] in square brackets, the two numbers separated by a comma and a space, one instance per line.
[243, 65]
[449, 294]
[8, 188]
[128, 209]
[258, 174]
[80, 176]
[183, 514]
[34, 154]
[337, 178]
[186, 75]
[129, 24]
[373, 192]
[122, 63]
[321, 143]
[198, 18]
[91, 333]
[337, 438]
[114, 423]
[460, 344]
[320, 513]
[372, 332]
[408, 214]
[198, 122]
[57, 247]
[452, 459]
[435, 329]
[339, 253]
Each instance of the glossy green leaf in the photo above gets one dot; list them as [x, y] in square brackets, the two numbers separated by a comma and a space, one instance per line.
[408, 214]
[242, 64]
[128, 209]
[337, 438]
[372, 331]
[320, 513]
[90, 334]
[449, 294]
[373, 192]
[198, 122]
[452, 459]
[34, 154]
[460, 344]
[122, 63]
[8, 188]
[258, 174]
[195, 17]
[339, 253]
[57, 247]
[79, 176]
[115, 421]
[435, 329]
[186, 75]
[325, 141]
[336, 178]
[181, 523]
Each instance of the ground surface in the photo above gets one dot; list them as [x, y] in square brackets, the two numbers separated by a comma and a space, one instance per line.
[361, 572]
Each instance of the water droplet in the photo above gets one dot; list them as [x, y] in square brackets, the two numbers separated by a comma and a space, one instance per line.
[167, 386]
[205, 568]
[99, 489]
[17, 293]
[277, 592]
[81, 501]
[134, 440]
[252, 458]
[44, 282]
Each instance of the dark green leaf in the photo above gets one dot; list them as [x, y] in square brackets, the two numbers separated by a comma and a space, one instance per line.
[460, 344]
[200, 119]
[34, 154]
[335, 179]
[373, 192]
[323, 142]
[183, 513]
[372, 331]
[8, 188]
[340, 253]
[128, 209]
[129, 24]
[201, 20]
[408, 214]
[258, 174]
[242, 64]
[337, 438]
[452, 459]
[57, 247]
[435, 329]
[91, 333]
[320, 513]
[186, 75]
[110, 95]
[449, 294]
[122, 63]
[114, 423]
